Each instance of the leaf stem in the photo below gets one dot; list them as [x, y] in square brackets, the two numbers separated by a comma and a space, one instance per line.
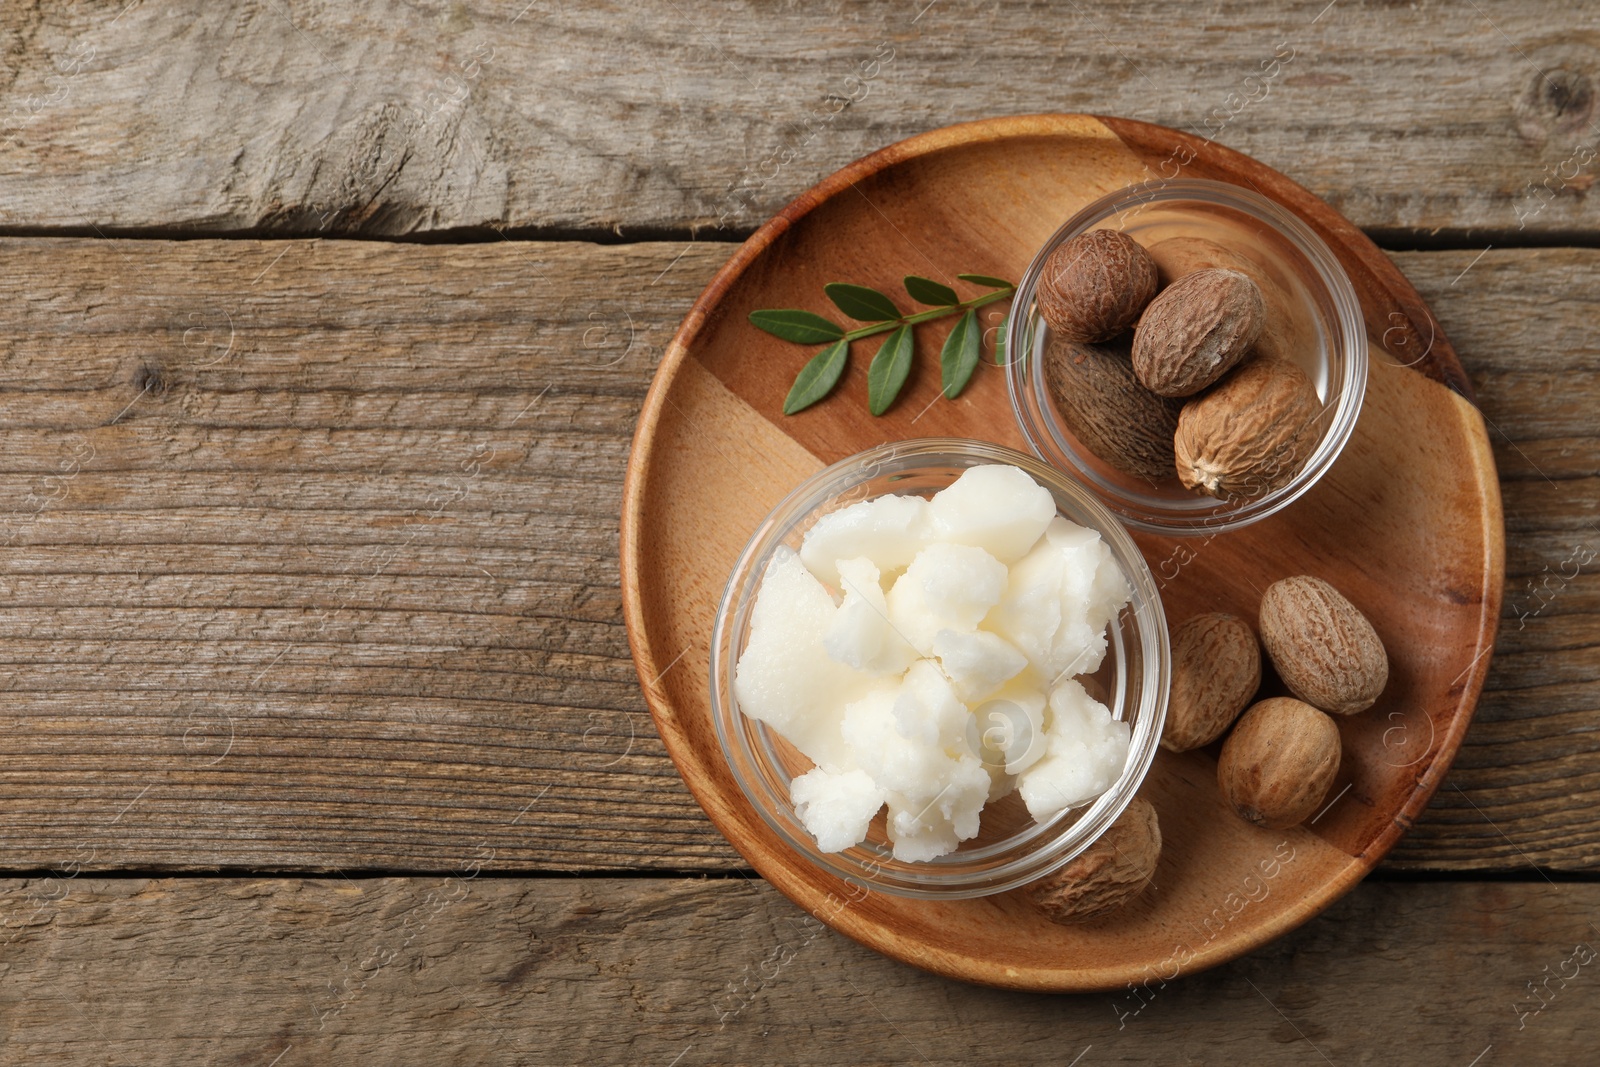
[929, 316]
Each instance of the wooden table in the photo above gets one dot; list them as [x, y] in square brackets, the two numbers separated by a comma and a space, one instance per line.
[325, 329]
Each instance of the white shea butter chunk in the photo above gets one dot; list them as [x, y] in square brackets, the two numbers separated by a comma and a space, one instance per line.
[977, 663]
[913, 767]
[836, 807]
[1093, 591]
[946, 587]
[860, 635]
[1075, 718]
[888, 530]
[997, 508]
[919, 831]
[1011, 727]
[927, 710]
[785, 677]
[1058, 600]
[1108, 595]
[961, 798]
[926, 828]
[1085, 752]
[1029, 612]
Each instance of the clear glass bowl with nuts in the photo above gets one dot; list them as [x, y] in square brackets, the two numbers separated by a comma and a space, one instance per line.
[1189, 351]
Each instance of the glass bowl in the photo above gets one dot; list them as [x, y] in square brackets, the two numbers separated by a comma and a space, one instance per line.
[1011, 849]
[1319, 326]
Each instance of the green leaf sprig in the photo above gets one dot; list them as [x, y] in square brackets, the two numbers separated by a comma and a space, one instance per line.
[890, 367]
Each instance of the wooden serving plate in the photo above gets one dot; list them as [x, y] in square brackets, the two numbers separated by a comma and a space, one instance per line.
[1407, 523]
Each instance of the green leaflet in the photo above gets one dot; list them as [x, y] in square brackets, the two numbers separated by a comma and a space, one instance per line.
[817, 378]
[889, 370]
[960, 355]
[861, 302]
[792, 324]
[927, 291]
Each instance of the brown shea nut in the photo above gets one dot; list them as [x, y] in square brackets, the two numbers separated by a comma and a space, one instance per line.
[1216, 669]
[1104, 406]
[1251, 434]
[1197, 330]
[1094, 286]
[1177, 257]
[1278, 763]
[1325, 650]
[1108, 874]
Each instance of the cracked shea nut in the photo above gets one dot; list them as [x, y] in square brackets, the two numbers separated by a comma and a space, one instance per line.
[1197, 330]
[1278, 763]
[1108, 874]
[1325, 650]
[1250, 434]
[1216, 669]
[1105, 407]
[1094, 286]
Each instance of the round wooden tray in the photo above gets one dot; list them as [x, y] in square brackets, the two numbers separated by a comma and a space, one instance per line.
[1407, 524]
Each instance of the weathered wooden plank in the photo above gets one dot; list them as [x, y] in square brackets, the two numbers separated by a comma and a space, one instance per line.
[339, 589]
[1529, 774]
[665, 116]
[555, 971]
[306, 546]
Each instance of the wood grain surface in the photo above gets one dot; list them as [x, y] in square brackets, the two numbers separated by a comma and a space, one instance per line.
[666, 116]
[689, 972]
[308, 548]
[332, 594]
